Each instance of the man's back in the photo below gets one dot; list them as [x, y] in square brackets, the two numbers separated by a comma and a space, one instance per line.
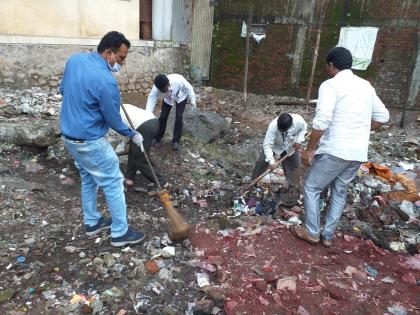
[86, 79]
[346, 106]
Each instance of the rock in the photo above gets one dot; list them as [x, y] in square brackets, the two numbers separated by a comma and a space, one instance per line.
[70, 249]
[168, 251]
[98, 261]
[408, 208]
[288, 284]
[203, 307]
[7, 294]
[388, 279]
[247, 152]
[301, 311]
[222, 276]
[30, 241]
[113, 292]
[205, 126]
[39, 133]
[261, 285]
[86, 309]
[397, 310]
[215, 260]
[336, 293]
[165, 274]
[109, 260]
[58, 152]
[151, 266]
[350, 270]
[214, 293]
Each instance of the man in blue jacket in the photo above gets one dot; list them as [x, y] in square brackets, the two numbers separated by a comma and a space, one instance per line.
[91, 101]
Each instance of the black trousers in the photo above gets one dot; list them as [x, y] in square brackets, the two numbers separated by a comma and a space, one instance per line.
[290, 165]
[163, 119]
[136, 159]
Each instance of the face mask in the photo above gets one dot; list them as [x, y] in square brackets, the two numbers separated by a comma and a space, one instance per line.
[117, 67]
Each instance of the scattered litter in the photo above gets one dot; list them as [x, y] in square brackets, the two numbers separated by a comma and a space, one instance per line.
[202, 279]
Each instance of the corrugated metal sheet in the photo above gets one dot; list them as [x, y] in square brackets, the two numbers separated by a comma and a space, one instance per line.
[161, 19]
[181, 20]
[201, 38]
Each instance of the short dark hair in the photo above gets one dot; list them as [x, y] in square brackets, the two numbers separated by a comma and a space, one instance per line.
[340, 57]
[284, 122]
[113, 40]
[161, 81]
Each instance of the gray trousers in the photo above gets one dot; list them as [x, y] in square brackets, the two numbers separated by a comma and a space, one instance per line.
[136, 159]
[327, 170]
[291, 167]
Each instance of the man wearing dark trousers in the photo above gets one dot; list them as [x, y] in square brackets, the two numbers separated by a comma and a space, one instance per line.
[284, 133]
[175, 91]
[148, 126]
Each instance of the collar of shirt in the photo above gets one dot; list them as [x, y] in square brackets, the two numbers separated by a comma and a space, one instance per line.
[100, 60]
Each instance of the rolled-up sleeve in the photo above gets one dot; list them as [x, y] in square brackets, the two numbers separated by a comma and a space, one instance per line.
[270, 137]
[152, 99]
[379, 111]
[109, 104]
[324, 110]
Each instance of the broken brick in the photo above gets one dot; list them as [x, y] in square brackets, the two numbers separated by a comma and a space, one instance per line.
[336, 293]
[151, 266]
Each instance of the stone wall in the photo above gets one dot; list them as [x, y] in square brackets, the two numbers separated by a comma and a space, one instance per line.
[27, 65]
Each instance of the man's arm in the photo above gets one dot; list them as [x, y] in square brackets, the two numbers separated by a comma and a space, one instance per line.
[152, 99]
[270, 137]
[109, 105]
[324, 112]
[380, 115]
[190, 90]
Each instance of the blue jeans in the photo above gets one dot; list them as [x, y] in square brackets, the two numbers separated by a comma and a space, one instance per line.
[99, 168]
[327, 170]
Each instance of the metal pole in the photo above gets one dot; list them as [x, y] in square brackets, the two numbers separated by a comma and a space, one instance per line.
[248, 30]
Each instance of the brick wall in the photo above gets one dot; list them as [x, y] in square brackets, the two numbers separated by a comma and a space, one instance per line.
[272, 62]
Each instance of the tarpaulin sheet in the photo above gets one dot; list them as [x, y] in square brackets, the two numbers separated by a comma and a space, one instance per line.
[361, 42]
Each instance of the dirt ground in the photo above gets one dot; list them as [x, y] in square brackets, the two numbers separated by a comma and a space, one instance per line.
[40, 214]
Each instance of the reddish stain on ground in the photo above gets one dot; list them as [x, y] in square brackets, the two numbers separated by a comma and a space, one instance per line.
[322, 286]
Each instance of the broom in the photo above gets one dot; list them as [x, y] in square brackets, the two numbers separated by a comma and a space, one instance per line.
[178, 227]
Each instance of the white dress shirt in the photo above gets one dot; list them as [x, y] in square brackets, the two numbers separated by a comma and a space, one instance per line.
[137, 115]
[346, 106]
[273, 141]
[179, 90]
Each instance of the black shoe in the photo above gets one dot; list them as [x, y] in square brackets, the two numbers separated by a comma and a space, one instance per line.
[131, 237]
[102, 225]
[176, 146]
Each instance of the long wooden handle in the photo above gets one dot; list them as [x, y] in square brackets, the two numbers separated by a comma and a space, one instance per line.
[269, 170]
[144, 150]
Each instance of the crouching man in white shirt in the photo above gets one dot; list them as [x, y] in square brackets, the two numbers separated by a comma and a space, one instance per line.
[283, 133]
[348, 109]
[147, 124]
[175, 91]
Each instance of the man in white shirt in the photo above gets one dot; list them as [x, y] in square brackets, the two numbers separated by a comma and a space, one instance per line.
[147, 124]
[284, 133]
[348, 109]
[175, 91]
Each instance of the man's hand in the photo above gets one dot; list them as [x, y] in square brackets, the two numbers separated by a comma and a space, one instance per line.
[138, 140]
[307, 157]
[272, 165]
[297, 146]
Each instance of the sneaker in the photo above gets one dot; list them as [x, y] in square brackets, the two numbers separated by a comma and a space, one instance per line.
[102, 225]
[302, 233]
[131, 237]
[326, 242]
[176, 146]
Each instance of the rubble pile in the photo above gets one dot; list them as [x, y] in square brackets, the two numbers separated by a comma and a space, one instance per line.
[240, 258]
[34, 102]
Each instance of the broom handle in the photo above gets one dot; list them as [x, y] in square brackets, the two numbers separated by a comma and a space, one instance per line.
[144, 150]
